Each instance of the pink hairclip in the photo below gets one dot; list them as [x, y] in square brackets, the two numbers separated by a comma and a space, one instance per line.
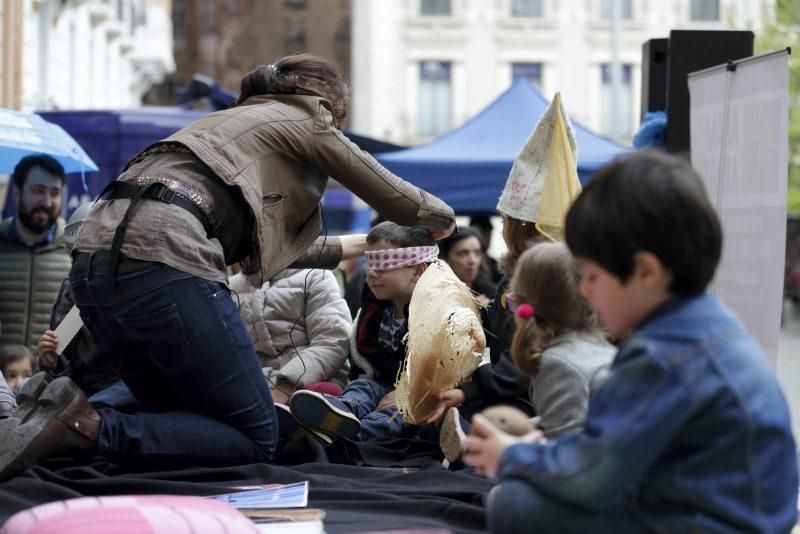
[525, 311]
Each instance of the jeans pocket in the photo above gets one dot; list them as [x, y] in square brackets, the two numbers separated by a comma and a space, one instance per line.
[163, 335]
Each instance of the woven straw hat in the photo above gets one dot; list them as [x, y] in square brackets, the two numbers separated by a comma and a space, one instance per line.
[445, 341]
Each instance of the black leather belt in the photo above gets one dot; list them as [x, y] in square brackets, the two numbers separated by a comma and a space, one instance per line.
[125, 264]
[157, 191]
[160, 192]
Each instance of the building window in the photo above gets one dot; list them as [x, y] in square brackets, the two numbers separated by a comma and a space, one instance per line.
[294, 36]
[704, 10]
[618, 126]
[295, 4]
[606, 5]
[435, 7]
[526, 8]
[434, 98]
[530, 71]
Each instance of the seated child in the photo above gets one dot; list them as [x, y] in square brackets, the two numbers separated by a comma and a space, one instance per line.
[16, 364]
[557, 343]
[8, 402]
[396, 258]
[81, 359]
[691, 431]
[300, 326]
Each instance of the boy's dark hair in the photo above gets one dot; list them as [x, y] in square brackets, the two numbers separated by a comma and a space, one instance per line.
[44, 161]
[401, 236]
[648, 202]
[13, 353]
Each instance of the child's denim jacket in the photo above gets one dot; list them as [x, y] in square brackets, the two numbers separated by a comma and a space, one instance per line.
[691, 430]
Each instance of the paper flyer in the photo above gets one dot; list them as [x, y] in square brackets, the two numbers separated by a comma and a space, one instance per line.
[67, 328]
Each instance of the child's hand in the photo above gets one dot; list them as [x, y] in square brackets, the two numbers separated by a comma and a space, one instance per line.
[282, 391]
[447, 400]
[486, 445]
[387, 400]
[47, 349]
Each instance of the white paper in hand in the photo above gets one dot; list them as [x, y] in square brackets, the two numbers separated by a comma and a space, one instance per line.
[67, 328]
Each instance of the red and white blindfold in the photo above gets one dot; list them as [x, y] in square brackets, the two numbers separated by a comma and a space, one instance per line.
[396, 258]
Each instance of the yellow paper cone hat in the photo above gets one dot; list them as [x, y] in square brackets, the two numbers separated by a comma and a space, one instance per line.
[544, 178]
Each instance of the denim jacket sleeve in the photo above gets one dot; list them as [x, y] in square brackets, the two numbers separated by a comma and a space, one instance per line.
[631, 421]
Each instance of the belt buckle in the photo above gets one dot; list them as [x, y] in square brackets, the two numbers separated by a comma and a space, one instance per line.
[163, 193]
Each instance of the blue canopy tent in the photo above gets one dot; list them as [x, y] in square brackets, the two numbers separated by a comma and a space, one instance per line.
[468, 166]
[113, 137]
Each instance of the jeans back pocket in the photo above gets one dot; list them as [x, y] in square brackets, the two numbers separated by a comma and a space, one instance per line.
[162, 335]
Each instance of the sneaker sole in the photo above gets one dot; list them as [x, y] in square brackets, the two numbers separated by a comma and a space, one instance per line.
[451, 437]
[283, 412]
[311, 410]
[19, 438]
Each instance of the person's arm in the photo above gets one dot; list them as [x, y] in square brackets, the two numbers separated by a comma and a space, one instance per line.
[560, 394]
[395, 199]
[632, 419]
[497, 382]
[8, 403]
[327, 251]
[328, 324]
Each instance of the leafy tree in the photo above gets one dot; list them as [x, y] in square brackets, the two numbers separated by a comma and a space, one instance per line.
[781, 28]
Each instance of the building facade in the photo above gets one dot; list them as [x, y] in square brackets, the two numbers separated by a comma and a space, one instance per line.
[422, 67]
[82, 54]
[224, 39]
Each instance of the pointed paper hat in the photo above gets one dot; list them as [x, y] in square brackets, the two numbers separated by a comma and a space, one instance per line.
[544, 178]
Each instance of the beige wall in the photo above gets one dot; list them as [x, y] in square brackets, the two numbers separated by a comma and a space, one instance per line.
[11, 54]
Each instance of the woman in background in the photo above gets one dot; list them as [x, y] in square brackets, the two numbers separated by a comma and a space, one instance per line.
[463, 252]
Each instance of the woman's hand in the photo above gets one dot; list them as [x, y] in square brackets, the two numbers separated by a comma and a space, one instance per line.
[353, 245]
[487, 443]
[447, 399]
[441, 234]
[47, 349]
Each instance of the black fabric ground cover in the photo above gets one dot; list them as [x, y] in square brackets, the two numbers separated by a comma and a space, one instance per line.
[371, 495]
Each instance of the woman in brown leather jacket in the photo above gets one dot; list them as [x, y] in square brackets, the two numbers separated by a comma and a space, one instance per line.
[149, 276]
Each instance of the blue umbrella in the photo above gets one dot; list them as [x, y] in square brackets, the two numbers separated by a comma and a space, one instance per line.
[22, 134]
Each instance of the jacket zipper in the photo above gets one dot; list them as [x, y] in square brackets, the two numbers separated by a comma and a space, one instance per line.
[27, 332]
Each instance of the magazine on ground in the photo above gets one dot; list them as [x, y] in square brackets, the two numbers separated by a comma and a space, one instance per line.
[269, 496]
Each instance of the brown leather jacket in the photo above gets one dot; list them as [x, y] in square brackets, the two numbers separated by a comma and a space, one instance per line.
[280, 150]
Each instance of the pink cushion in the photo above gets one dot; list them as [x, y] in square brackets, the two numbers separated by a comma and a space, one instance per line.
[328, 388]
[150, 514]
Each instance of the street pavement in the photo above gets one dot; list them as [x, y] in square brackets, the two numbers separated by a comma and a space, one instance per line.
[789, 363]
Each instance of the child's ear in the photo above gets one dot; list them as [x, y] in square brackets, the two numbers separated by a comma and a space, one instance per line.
[418, 272]
[650, 272]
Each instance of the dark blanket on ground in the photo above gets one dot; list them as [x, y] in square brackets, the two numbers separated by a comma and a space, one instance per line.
[350, 481]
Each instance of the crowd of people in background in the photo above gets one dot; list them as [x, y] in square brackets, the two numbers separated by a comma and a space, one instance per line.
[215, 332]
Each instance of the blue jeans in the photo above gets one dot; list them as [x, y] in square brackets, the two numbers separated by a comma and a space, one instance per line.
[187, 358]
[117, 395]
[515, 506]
[362, 397]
